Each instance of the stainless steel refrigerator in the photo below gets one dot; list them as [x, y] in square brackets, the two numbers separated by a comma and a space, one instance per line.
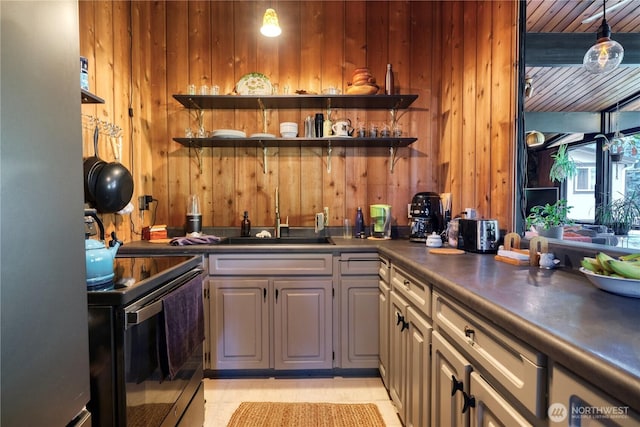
[44, 361]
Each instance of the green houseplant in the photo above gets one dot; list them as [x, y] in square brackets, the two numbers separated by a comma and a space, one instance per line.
[549, 220]
[620, 214]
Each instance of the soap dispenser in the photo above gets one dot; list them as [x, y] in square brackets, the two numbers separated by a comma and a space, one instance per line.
[245, 226]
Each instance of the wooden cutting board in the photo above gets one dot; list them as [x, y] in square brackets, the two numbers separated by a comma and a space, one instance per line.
[446, 251]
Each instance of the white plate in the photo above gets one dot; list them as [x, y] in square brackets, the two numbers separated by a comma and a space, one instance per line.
[262, 135]
[615, 285]
[228, 133]
[254, 84]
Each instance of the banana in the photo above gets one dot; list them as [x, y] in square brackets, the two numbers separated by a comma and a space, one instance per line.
[603, 260]
[630, 257]
[625, 269]
[591, 264]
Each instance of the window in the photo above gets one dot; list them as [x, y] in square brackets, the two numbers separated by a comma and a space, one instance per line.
[585, 179]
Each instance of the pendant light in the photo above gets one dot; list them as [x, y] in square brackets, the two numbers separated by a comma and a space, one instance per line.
[606, 54]
[270, 25]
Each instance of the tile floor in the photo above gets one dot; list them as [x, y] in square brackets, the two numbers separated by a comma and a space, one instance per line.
[222, 396]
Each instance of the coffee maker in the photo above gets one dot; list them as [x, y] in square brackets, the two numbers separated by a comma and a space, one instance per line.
[426, 216]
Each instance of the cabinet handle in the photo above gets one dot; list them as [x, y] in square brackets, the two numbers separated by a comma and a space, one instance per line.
[400, 318]
[469, 402]
[264, 294]
[406, 282]
[405, 325]
[277, 292]
[456, 385]
[468, 332]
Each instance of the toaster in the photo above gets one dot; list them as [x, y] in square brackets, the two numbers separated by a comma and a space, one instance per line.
[478, 235]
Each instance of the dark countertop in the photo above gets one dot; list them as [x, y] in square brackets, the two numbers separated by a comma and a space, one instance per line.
[559, 312]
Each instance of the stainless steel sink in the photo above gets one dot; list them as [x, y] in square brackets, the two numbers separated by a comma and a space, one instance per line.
[312, 240]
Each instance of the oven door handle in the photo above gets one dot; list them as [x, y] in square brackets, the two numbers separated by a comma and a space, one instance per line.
[146, 312]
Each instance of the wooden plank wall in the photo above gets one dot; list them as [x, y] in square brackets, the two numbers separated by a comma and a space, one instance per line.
[459, 57]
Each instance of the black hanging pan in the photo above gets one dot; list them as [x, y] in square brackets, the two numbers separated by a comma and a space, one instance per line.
[109, 186]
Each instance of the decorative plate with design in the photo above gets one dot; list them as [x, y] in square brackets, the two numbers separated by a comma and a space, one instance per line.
[254, 84]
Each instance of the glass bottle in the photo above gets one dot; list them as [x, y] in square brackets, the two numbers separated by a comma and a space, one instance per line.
[245, 226]
[359, 225]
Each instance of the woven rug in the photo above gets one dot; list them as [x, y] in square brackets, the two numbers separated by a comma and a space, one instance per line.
[281, 414]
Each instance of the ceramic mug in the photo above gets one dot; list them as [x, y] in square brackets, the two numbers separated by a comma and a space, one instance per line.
[342, 128]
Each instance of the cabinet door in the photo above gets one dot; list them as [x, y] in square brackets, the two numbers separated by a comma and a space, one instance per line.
[359, 317]
[574, 402]
[450, 384]
[240, 329]
[489, 408]
[397, 352]
[303, 323]
[384, 322]
[418, 370]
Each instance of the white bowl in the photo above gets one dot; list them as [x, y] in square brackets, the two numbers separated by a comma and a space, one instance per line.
[615, 285]
[288, 127]
[289, 134]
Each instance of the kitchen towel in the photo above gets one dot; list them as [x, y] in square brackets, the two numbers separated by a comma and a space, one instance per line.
[201, 240]
[182, 327]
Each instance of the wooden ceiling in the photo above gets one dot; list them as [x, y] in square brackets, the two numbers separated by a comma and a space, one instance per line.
[571, 88]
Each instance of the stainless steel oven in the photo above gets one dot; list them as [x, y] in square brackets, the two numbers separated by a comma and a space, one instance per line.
[146, 357]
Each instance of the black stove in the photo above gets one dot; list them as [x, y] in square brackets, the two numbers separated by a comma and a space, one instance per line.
[137, 276]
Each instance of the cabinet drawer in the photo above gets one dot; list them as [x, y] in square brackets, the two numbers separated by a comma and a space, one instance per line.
[384, 270]
[515, 367]
[416, 291]
[262, 264]
[359, 264]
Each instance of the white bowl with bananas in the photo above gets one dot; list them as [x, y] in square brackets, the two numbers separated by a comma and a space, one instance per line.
[620, 275]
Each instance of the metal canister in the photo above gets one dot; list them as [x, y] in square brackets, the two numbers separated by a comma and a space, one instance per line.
[309, 127]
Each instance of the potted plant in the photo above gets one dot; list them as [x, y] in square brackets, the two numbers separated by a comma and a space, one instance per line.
[549, 220]
[620, 214]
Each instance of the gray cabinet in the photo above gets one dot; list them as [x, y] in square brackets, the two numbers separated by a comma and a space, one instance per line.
[270, 311]
[240, 309]
[575, 402]
[398, 352]
[409, 347]
[302, 335]
[384, 291]
[450, 374]
[359, 319]
[417, 412]
[508, 383]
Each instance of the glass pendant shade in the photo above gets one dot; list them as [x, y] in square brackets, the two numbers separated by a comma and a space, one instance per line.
[270, 26]
[604, 56]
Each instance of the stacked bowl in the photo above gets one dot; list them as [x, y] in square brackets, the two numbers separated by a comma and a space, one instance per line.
[289, 129]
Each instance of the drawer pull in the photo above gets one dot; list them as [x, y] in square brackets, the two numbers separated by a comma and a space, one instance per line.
[400, 318]
[468, 332]
[405, 325]
[469, 402]
[407, 283]
[455, 385]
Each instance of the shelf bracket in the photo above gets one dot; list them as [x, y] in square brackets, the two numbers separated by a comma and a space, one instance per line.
[394, 118]
[198, 154]
[264, 115]
[264, 159]
[329, 151]
[392, 157]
